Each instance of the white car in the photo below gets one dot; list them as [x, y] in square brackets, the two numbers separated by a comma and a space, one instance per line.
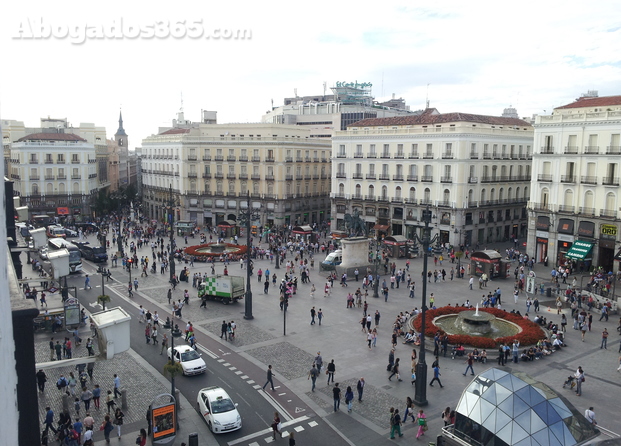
[190, 361]
[218, 410]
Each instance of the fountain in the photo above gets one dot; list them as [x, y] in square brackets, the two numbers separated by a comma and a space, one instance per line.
[475, 323]
[215, 249]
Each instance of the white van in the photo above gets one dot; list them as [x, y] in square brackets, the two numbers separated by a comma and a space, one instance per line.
[332, 260]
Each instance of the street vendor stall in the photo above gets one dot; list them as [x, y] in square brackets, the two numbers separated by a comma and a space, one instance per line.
[396, 245]
[489, 262]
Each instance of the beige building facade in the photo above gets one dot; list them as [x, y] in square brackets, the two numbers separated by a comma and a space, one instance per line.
[212, 168]
[575, 200]
[473, 171]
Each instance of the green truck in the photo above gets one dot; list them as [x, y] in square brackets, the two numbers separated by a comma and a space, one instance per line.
[227, 289]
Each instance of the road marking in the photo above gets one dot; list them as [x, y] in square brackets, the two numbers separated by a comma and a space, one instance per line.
[220, 360]
[244, 377]
[257, 386]
[239, 372]
[207, 352]
[300, 410]
[298, 428]
[254, 443]
[270, 399]
[281, 394]
[94, 305]
[250, 381]
[313, 423]
[226, 364]
[266, 431]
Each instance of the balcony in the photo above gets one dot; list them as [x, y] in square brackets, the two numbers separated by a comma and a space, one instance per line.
[288, 159]
[399, 156]
[566, 208]
[62, 176]
[447, 156]
[231, 176]
[445, 204]
[74, 177]
[307, 159]
[33, 161]
[371, 155]
[486, 179]
[315, 160]
[587, 211]
[192, 175]
[412, 177]
[255, 176]
[324, 176]
[299, 159]
[607, 213]
[288, 177]
[338, 155]
[49, 161]
[15, 176]
[269, 176]
[324, 160]
[383, 198]
[370, 176]
[473, 180]
[413, 156]
[613, 150]
[270, 160]
[385, 155]
[428, 156]
[425, 201]
[568, 178]
[341, 175]
[207, 175]
[192, 158]
[60, 161]
[542, 207]
[591, 150]
[384, 177]
[610, 181]
[357, 197]
[370, 212]
[357, 176]
[427, 179]
[397, 177]
[49, 177]
[75, 161]
[446, 179]
[206, 158]
[243, 159]
[256, 159]
[410, 217]
[544, 177]
[243, 176]
[547, 150]
[487, 156]
[369, 197]
[474, 155]
[231, 159]
[571, 150]
[218, 158]
[396, 200]
[218, 175]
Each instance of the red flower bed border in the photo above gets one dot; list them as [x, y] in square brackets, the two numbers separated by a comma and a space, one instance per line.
[530, 334]
[193, 250]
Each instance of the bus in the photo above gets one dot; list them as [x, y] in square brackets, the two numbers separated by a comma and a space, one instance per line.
[94, 253]
[41, 221]
[75, 257]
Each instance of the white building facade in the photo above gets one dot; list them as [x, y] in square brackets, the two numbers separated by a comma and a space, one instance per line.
[575, 184]
[472, 170]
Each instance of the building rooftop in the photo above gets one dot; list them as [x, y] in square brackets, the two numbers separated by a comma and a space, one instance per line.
[431, 116]
[51, 137]
[593, 102]
[175, 131]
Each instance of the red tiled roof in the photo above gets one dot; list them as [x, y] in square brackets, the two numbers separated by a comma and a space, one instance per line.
[428, 117]
[51, 137]
[175, 131]
[593, 102]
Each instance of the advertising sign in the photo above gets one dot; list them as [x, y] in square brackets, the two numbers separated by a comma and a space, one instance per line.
[163, 421]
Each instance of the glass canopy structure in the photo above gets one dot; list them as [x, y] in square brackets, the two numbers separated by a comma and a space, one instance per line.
[500, 408]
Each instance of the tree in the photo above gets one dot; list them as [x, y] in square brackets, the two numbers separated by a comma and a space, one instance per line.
[103, 299]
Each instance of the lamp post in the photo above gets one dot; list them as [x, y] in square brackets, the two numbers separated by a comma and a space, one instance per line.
[247, 217]
[420, 395]
[171, 204]
[377, 262]
[174, 333]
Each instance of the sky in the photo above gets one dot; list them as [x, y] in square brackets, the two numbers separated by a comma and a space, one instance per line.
[84, 62]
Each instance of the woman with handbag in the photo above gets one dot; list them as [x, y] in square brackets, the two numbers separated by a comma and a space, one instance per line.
[446, 416]
[107, 427]
[422, 423]
[118, 420]
[276, 426]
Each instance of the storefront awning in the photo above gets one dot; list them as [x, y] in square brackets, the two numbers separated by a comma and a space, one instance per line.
[381, 227]
[580, 250]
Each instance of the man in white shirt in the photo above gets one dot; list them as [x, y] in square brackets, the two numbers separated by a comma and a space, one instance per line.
[590, 415]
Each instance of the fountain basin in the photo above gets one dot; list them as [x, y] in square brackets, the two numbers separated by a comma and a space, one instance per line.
[215, 249]
[484, 325]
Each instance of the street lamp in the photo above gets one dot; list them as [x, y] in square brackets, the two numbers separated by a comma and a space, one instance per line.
[119, 238]
[377, 263]
[420, 395]
[246, 218]
[171, 204]
[174, 333]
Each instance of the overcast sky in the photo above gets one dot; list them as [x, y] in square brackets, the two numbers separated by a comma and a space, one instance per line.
[476, 57]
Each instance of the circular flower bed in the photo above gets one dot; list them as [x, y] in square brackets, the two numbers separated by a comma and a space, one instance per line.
[530, 334]
[202, 252]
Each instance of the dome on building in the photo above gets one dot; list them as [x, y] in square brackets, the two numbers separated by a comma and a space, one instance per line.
[500, 408]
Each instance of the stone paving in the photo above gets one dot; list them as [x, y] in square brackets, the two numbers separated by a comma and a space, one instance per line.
[287, 360]
[244, 334]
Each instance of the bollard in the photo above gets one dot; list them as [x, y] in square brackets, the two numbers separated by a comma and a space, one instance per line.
[549, 292]
[177, 399]
[66, 402]
[193, 439]
[124, 399]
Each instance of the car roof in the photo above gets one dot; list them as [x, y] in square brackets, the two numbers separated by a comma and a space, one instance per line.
[183, 348]
[215, 392]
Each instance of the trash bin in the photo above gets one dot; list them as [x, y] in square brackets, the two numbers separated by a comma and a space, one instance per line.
[549, 292]
[193, 439]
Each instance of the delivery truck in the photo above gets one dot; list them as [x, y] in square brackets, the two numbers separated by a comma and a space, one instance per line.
[227, 289]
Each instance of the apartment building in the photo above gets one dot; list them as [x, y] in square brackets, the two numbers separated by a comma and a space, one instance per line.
[574, 201]
[473, 171]
[212, 168]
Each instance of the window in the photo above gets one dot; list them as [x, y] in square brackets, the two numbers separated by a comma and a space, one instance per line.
[33, 158]
[219, 187]
[372, 149]
[341, 168]
[61, 158]
[231, 187]
[232, 170]
[341, 189]
[372, 169]
[400, 150]
[341, 152]
[386, 151]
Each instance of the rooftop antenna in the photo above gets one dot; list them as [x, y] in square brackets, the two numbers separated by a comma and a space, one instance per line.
[382, 84]
[295, 92]
[427, 98]
[324, 90]
[272, 104]
[181, 108]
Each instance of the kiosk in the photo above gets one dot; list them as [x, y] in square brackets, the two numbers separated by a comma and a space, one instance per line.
[489, 262]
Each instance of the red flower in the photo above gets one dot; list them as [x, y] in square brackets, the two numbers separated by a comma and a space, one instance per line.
[195, 250]
[530, 334]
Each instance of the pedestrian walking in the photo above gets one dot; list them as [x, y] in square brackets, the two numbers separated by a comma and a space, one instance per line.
[590, 416]
[604, 339]
[336, 394]
[349, 398]
[164, 343]
[320, 316]
[313, 313]
[276, 426]
[395, 370]
[41, 380]
[312, 375]
[395, 423]
[109, 401]
[117, 386]
[469, 361]
[270, 376]
[107, 427]
[87, 283]
[579, 375]
[331, 371]
[421, 418]
[118, 420]
[436, 376]
[319, 361]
